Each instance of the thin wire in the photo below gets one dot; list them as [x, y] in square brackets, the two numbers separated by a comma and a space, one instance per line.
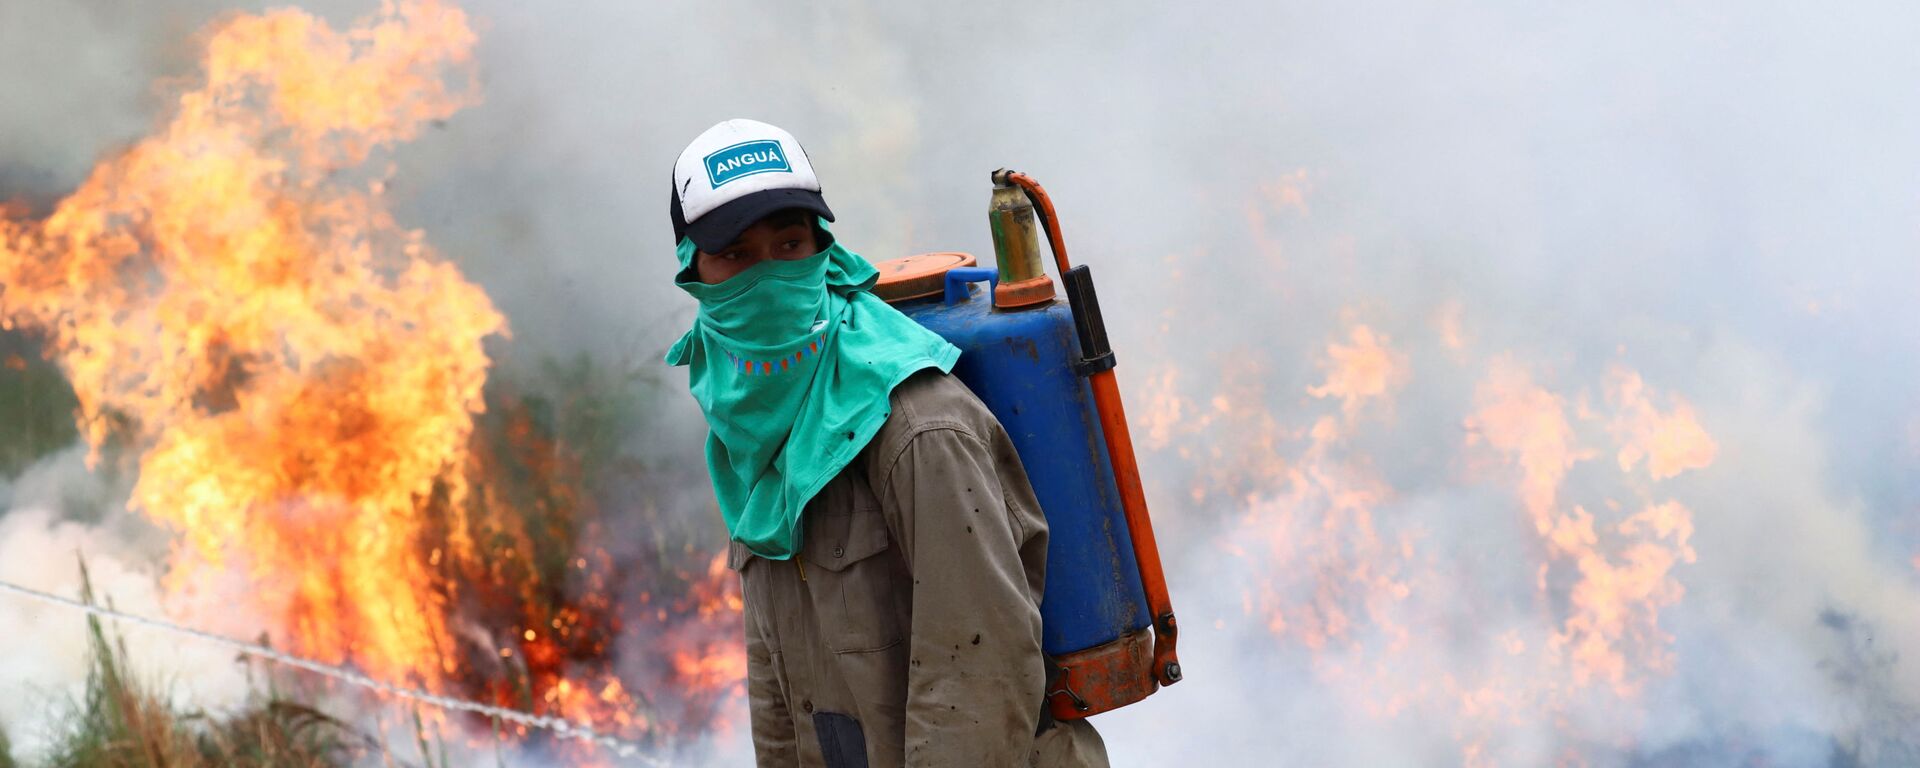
[585, 733]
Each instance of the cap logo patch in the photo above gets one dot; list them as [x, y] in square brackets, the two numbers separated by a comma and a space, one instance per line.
[746, 159]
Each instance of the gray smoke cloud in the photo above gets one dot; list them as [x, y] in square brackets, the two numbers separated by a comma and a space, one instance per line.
[1719, 196]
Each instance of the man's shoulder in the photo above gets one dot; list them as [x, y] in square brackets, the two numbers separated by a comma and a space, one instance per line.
[930, 401]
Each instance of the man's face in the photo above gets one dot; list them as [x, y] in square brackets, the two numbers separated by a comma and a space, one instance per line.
[785, 236]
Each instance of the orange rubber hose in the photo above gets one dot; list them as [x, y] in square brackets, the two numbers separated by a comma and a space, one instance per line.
[1055, 241]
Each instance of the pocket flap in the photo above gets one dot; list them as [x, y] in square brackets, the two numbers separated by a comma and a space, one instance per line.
[844, 526]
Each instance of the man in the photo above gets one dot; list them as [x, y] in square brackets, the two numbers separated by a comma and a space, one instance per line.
[890, 550]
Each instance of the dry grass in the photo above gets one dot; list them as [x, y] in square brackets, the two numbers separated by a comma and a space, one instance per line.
[122, 723]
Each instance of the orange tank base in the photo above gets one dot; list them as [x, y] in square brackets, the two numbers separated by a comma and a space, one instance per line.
[1104, 678]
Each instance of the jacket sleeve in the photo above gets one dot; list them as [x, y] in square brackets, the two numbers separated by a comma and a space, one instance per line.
[773, 732]
[976, 550]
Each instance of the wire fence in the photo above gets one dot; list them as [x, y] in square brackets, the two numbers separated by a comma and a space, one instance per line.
[618, 746]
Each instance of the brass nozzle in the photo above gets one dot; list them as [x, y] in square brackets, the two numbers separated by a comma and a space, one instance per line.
[1016, 247]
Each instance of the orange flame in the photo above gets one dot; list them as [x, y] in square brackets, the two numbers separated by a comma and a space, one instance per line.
[1343, 567]
[1527, 423]
[1615, 604]
[1318, 517]
[1361, 371]
[1670, 443]
[300, 378]
[231, 295]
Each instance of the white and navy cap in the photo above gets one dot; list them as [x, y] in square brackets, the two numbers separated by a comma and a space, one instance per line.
[735, 174]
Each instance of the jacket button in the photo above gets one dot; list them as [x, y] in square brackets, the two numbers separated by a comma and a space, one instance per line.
[838, 551]
[807, 704]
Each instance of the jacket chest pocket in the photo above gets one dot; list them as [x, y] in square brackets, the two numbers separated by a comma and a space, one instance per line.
[860, 590]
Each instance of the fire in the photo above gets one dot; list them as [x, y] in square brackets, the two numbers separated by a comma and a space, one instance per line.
[716, 665]
[1670, 443]
[1345, 566]
[1359, 372]
[1528, 424]
[712, 669]
[303, 381]
[1345, 539]
[1313, 514]
[1615, 603]
[231, 296]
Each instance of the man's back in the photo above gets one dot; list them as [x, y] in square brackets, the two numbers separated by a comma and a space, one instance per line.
[906, 631]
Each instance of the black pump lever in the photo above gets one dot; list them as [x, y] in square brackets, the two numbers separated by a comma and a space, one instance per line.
[1096, 353]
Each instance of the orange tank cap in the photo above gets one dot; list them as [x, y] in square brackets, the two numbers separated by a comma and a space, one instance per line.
[917, 277]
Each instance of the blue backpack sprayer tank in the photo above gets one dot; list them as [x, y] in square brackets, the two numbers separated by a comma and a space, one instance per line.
[1042, 364]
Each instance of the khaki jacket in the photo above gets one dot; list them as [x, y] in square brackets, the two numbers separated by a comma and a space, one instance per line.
[906, 631]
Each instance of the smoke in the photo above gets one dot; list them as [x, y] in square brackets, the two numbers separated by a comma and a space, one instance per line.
[44, 659]
[1719, 197]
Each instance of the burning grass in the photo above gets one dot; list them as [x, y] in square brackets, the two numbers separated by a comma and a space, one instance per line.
[304, 387]
[591, 599]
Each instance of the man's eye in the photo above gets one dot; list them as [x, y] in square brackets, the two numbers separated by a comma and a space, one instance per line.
[792, 245]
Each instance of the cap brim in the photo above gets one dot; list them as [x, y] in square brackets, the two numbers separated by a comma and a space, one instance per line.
[721, 226]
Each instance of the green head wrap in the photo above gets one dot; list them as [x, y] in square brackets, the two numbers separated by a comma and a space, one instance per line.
[792, 363]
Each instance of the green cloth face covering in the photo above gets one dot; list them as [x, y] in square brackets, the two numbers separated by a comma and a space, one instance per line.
[792, 363]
